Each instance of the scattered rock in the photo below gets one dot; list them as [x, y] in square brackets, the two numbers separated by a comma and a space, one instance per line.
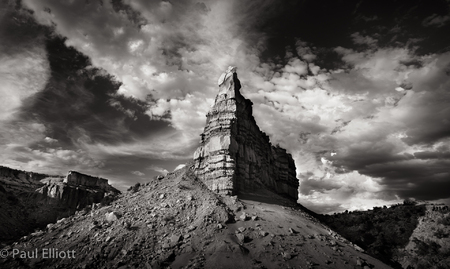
[127, 224]
[356, 247]
[112, 216]
[286, 255]
[243, 217]
[359, 261]
[191, 228]
[254, 217]
[174, 239]
[240, 237]
[38, 233]
[241, 229]
[263, 233]
[162, 196]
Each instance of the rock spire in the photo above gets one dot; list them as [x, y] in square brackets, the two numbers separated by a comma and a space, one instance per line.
[234, 154]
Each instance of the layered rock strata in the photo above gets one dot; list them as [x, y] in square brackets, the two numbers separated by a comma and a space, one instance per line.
[234, 154]
[77, 190]
[30, 200]
[76, 178]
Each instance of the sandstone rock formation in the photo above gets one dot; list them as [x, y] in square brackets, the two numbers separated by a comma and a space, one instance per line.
[235, 155]
[77, 190]
[76, 178]
[8, 172]
[30, 200]
[19, 181]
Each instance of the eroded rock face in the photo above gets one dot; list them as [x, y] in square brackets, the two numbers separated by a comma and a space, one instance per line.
[77, 190]
[235, 155]
[24, 175]
[71, 196]
[30, 200]
[79, 179]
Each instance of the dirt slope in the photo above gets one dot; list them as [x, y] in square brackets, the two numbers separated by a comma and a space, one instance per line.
[176, 222]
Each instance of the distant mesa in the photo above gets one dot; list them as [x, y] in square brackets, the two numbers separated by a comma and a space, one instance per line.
[78, 190]
[79, 179]
[235, 155]
[43, 198]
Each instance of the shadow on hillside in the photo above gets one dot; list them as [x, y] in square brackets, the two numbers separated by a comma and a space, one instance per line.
[263, 195]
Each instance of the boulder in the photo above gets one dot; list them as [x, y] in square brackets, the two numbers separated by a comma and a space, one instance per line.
[112, 216]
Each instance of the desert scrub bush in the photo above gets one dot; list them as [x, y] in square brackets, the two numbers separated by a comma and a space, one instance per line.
[183, 187]
[86, 209]
[134, 188]
[107, 200]
[440, 233]
[12, 199]
[445, 220]
[169, 218]
[426, 248]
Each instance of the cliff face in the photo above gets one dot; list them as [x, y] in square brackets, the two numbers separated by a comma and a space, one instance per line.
[29, 200]
[77, 190]
[79, 179]
[23, 175]
[235, 155]
[71, 196]
[19, 181]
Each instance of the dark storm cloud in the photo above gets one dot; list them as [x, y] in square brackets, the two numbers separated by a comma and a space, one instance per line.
[80, 104]
[357, 91]
[425, 179]
[328, 24]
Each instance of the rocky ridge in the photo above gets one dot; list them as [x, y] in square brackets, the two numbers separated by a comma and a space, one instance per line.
[178, 222]
[32, 200]
[235, 155]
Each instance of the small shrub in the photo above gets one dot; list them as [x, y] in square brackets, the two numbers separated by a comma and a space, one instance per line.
[445, 220]
[86, 209]
[183, 187]
[107, 200]
[409, 201]
[135, 188]
[12, 199]
[169, 218]
[441, 234]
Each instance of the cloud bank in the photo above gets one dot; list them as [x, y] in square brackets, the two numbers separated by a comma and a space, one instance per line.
[120, 89]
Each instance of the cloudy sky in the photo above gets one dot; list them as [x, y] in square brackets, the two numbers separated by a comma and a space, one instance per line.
[357, 91]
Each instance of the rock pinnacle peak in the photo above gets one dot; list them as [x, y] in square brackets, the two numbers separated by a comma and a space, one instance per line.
[234, 154]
